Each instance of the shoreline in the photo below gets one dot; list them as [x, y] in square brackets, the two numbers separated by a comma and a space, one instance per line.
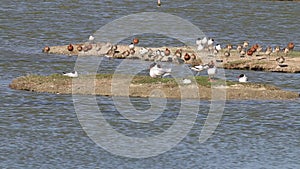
[145, 86]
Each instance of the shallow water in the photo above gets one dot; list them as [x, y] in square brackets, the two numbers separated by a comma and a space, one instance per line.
[40, 130]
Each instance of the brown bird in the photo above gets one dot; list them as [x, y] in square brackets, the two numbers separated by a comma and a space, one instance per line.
[193, 57]
[79, 48]
[291, 46]
[178, 53]
[187, 57]
[89, 46]
[286, 51]
[136, 41]
[256, 46]
[229, 47]
[131, 51]
[277, 50]
[250, 52]
[46, 49]
[167, 52]
[226, 53]
[70, 48]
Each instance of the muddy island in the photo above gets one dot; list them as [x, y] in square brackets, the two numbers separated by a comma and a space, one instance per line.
[143, 86]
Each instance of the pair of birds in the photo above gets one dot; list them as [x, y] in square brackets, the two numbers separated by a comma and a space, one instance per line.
[210, 67]
[204, 42]
[157, 71]
[212, 70]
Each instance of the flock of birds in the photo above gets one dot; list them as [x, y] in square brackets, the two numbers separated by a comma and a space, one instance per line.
[244, 49]
[157, 71]
[205, 43]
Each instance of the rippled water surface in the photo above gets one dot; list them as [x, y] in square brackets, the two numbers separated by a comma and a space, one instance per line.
[40, 130]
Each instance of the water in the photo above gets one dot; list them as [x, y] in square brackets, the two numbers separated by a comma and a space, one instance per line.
[40, 130]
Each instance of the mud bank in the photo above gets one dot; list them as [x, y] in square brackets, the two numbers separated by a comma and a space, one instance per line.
[144, 86]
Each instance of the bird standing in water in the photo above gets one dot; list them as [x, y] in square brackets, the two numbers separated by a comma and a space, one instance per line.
[243, 78]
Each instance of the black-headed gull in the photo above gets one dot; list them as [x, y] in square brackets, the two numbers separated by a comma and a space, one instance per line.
[131, 46]
[210, 41]
[280, 59]
[143, 51]
[157, 71]
[212, 70]
[199, 68]
[71, 74]
[91, 38]
[243, 78]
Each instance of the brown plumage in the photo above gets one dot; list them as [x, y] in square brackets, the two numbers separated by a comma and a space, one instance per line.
[79, 48]
[187, 57]
[131, 51]
[167, 52]
[136, 41]
[178, 53]
[89, 46]
[291, 46]
[226, 53]
[229, 47]
[193, 56]
[268, 51]
[46, 49]
[70, 48]
[250, 52]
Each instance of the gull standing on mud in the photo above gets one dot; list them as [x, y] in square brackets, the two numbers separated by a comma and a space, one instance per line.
[157, 71]
[71, 74]
[91, 39]
[212, 70]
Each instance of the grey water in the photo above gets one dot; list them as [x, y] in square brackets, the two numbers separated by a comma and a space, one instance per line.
[40, 130]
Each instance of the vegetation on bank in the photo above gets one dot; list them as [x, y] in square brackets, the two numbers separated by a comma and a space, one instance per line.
[141, 86]
[61, 80]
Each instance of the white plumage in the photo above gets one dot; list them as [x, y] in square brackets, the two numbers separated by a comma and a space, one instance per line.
[210, 42]
[243, 78]
[143, 51]
[91, 38]
[131, 46]
[71, 74]
[157, 71]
